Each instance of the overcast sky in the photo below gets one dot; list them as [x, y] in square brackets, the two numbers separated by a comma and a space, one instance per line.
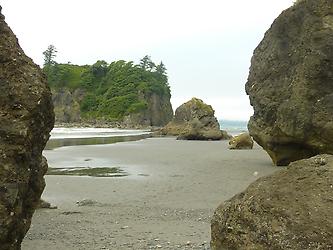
[206, 45]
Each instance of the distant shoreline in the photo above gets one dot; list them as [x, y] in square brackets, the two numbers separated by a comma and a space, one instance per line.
[231, 126]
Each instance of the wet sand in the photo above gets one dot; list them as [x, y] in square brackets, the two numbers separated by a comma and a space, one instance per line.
[166, 201]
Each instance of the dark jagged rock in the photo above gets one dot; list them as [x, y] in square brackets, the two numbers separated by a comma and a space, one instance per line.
[194, 120]
[291, 84]
[27, 117]
[242, 141]
[291, 209]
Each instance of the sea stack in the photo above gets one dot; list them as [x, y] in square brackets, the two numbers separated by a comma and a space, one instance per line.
[290, 84]
[27, 117]
[194, 120]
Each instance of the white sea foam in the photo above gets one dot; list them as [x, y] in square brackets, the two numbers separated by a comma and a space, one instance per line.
[62, 133]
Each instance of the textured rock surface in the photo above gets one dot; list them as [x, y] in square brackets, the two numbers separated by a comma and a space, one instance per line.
[242, 141]
[194, 120]
[67, 110]
[291, 209]
[291, 84]
[67, 105]
[27, 117]
[158, 113]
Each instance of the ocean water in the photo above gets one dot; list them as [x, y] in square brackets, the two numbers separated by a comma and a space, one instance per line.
[233, 127]
[62, 137]
[76, 133]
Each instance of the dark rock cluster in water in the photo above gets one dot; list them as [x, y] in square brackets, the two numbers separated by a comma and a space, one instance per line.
[291, 84]
[291, 209]
[27, 117]
[195, 120]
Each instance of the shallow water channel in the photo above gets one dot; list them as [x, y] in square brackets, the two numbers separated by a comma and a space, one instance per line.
[64, 137]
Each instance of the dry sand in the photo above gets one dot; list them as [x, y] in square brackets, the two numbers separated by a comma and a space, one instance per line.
[166, 202]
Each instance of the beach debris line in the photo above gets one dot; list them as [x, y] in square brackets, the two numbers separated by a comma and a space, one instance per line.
[88, 171]
[27, 118]
[290, 84]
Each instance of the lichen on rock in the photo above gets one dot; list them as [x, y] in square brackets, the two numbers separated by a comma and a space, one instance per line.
[290, 84]
[27, 117]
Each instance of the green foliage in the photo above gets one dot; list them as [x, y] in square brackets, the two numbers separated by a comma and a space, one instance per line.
[89, 103]
[138, 106]
[64, 75]
[49, 55]
[112, 90]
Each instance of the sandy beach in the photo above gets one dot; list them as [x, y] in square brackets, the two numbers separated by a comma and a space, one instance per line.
[165, 202]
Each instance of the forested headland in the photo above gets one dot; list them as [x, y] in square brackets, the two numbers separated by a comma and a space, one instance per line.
[120, 91]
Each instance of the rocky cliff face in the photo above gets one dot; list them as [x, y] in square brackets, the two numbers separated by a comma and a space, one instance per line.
[194, 120]
[291, 84]
[67, 105]
[291, 209]
[27, 117]
[67, 109]
[158, 113]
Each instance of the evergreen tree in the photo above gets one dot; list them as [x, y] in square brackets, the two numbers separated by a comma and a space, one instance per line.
[161, 69]
[144, 62]
[49, 55]
[151, 65]
[99, 68]
[147, 64]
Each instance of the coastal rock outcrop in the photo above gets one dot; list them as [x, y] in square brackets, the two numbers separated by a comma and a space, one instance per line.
[242, 141]
[290, 84]
[291, 209]
[194, 120]
[119, 93]
[27, 117]
[67, 108]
